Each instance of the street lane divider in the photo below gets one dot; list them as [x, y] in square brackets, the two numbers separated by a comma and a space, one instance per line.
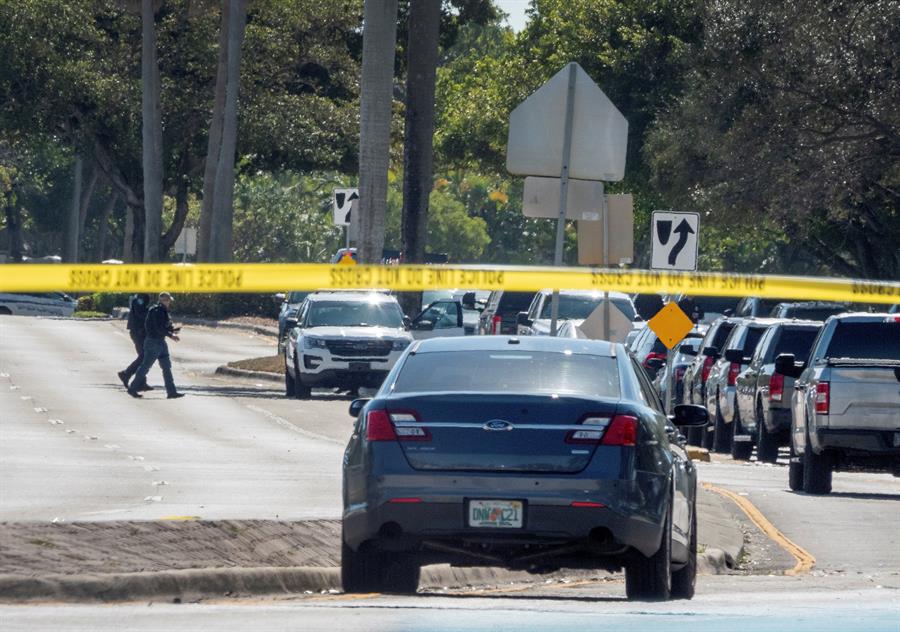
[805, 560]
[280, 277]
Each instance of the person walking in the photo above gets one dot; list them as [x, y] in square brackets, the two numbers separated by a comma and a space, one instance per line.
[137, 329]
[159, 327]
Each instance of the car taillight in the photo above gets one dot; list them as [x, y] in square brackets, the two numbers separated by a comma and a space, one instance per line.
[776, 388]
[707, 367]
[733, 371]
[621, 431]
[822, 398]
[379, 426]
[653, 355]
[496, 324]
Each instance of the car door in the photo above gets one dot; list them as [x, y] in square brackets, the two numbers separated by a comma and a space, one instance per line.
[440, 319]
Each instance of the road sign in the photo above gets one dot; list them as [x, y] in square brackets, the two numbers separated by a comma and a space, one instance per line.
[620, 220]
[345, 201]
[541, 198]
[671, 324]
[675, 238]
[537, 130]
[594, 326]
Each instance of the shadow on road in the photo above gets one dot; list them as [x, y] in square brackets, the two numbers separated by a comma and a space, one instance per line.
[526, 597]
[850, 495]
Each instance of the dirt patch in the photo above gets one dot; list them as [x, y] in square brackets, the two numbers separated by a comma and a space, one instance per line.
[268, 364]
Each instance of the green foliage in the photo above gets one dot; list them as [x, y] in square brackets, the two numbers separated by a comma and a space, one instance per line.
[89, 314]
[217, 306]
[85, 303]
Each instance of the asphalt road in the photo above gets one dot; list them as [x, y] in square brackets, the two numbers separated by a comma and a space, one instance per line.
[236, 448]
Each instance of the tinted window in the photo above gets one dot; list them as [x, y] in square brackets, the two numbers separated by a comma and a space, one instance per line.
[509, 371]
[870, 341]
[715, 304]
[514, 302]
[354, 314]
[794, 341]
[296, 297]
[572, 306]
[721, 334]
[752, 339]
[813, 313]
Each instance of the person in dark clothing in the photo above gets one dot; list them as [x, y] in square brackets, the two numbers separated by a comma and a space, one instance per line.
[137, 329]
[159, 327]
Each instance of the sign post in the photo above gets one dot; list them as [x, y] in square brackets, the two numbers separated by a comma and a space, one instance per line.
[569, 107]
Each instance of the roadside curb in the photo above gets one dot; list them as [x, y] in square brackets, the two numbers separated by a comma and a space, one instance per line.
[256, 375]
[719, 532]
[218, 324]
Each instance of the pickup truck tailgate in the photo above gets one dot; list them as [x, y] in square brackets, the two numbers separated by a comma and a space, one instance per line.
[864, 397]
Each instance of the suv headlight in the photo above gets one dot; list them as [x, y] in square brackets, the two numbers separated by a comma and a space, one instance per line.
[400, 344]
[313, 343]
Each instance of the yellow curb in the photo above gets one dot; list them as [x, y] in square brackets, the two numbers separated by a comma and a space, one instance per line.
[179, 518]
[805, 559]
[697, 454]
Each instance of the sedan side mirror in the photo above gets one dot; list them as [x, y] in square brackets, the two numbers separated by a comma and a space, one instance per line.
[690, 415]
[734, 355]
[711, 352]
[357, 405]
[786, 364]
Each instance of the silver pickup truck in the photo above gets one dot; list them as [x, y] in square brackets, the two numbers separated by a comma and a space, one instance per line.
[846, 401]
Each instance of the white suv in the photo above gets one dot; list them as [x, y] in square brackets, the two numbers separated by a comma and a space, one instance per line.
[343, 339]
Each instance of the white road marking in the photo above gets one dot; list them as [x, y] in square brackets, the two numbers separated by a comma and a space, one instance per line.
[286, 424]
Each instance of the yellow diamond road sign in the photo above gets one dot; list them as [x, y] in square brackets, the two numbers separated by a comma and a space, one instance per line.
[671, 325]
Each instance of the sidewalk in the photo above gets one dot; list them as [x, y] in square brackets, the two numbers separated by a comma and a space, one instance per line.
[195, 559]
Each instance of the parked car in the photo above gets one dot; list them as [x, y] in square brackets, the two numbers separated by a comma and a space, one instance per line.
[763, 394]
[532, 453]
[846, 401]
[809, 310]
[501, 310]
[697, 372]
[573, 305]
[287, 314]
[344, 339]
[472, 302]
[570, 329]
[670, 379]
[732, 432]
[36, 304]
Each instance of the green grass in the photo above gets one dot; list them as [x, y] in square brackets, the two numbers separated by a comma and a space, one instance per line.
[90, 315]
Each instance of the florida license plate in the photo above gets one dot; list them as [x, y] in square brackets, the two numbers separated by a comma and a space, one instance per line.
[359, 366]
[496, 514]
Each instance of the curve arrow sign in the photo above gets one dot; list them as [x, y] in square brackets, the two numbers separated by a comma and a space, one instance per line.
[683, 230]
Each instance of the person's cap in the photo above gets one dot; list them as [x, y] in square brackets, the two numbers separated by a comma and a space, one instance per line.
[163, 295]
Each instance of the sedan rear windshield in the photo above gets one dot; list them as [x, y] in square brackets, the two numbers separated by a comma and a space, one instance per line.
[865, 341]
[580, 307]
[354, 314]
[509, 372]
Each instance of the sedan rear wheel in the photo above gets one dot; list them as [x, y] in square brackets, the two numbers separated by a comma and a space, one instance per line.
[683, 580]
[650, 578]
[368, 570]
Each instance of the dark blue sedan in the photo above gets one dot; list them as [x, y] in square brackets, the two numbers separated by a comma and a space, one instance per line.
[531, 454]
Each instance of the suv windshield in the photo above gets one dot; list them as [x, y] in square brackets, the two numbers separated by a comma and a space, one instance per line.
[354, 314]
[509, 371]
[865, 341]
[579, 307]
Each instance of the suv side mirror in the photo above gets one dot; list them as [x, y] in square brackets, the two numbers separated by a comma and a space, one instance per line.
[688, 351]
[654, 364]
[734, 355]
[357, 405]
[523, 320]
[711, 352]
[690, 415]
[786, 364]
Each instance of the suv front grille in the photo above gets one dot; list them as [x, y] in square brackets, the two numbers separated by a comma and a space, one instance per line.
[359, 348]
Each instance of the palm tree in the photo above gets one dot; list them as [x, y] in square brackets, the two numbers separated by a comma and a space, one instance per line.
[376, 87]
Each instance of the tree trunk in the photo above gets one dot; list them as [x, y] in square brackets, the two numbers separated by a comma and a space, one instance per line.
[14, 226]
[128, 236]
[214, 143]
[70, 252]
[223, 201]
[376, 87]
[151, 134]
[422, 58]
[86, 198]
[181, 213]
[103, 228]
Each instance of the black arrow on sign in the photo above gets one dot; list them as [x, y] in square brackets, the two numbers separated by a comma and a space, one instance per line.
[683, 230]
[353, 196]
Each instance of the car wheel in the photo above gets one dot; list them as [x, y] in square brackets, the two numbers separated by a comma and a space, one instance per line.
[722, 436]
[695, 436]
[817, 470]
[650, 578]
[358, 569]
[795, 472]
[740, 450]
[684, 579]
[366, 570]
[301, 390]
[5, 311]
[766, 442]
[290, 384]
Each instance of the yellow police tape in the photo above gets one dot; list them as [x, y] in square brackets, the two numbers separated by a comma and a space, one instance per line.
[279, 277]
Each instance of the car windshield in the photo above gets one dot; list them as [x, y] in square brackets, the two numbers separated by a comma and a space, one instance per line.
[720, 335]
[509, 371]
[354, 314]
[573, 306]
[865, 341]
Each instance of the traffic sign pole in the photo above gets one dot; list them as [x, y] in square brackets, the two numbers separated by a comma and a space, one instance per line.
[605, 211]
[563, 192]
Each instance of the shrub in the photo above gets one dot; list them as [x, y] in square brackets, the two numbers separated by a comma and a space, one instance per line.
[85, 303]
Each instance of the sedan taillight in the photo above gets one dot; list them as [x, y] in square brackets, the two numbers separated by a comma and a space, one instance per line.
[379, 426]
[382, 425]
[621, 431]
